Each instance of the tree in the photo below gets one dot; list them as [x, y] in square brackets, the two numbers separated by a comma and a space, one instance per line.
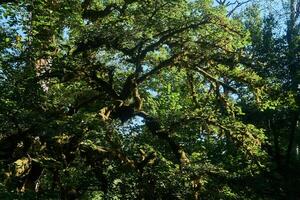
[280, 114]
[127, 100]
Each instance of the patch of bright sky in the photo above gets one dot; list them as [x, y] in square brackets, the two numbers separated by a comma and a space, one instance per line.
[278, 8]
[66, 33]
[279, 11]
[5, 22]
[132, 126]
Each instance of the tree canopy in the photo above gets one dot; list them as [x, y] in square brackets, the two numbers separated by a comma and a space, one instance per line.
[153, 99]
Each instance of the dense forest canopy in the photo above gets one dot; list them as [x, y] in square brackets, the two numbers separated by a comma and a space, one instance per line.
[153, 99]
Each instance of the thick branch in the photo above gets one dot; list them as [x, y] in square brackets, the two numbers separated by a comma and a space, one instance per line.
[108, 88]
[93, 15]
[104, 152]
[147, 160]
[292, 135]
[190, 80]
[83, 103]
[100, 41]
[128, 87]
[155, 128]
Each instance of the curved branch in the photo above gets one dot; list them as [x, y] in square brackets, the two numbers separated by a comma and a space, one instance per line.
[155, 128]
[101, 152]
[93, 15]
[211, 78]
[108, 88]
[156, 69]
[165, 35]
[238, 4]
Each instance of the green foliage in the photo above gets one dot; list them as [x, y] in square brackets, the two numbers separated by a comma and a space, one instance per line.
[136, 100]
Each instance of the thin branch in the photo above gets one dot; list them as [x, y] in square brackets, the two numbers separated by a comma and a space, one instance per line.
[238, 4]
[167, 34]
[156, 69]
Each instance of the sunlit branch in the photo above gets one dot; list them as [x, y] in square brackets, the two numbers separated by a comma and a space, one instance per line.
[211, 78]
